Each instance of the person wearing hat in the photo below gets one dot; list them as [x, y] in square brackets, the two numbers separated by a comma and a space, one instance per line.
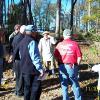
[16, 64]
[30, 62]
[68, 55]
[46, 50]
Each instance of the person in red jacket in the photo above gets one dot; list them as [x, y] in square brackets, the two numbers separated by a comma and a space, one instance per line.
[68, 55]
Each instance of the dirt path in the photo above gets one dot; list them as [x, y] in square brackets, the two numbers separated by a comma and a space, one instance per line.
[51, 86]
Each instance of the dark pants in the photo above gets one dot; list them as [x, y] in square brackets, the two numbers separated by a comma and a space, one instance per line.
[1, 69]
[19, 81]
[32, 87]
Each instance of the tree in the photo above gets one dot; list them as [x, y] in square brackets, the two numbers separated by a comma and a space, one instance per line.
[26, 12]
[5, 16]
[57, 31]
[73, 2]
[44, 14]
[30, 19]
[91, 16]
[1, 12]
[77, 14]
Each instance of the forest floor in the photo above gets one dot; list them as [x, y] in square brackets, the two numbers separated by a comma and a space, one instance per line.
[51, 86]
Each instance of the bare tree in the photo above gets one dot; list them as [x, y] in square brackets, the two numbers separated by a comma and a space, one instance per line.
[5, 12]
[1, 12]
[24, 13]
[57, 31]
[30, 20]
[73, 2]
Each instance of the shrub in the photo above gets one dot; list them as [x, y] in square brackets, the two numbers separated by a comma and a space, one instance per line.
[93, 37]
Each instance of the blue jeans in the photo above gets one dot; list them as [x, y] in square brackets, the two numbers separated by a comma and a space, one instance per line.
[66, 73]
[1, 69]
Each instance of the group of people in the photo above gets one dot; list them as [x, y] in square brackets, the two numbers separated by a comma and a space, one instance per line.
[32, 60]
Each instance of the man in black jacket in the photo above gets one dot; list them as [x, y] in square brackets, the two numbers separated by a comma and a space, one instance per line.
[31, 65]
[16, 64]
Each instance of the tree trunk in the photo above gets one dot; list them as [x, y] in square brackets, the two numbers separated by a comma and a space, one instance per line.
[30, 20]
[1, 12]
[57, 31]
[89, 6]
[72, 11]
[98, 20]
[24, 14]
[5, 12]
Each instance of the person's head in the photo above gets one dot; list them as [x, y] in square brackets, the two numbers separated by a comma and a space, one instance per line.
[31, 30]
[17, 28]
[45, 34]
[67, 33]
[22, 29]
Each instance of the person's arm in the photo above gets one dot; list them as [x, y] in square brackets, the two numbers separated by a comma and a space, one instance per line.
[12, 36]
[79, 55]
[35, 56]
[52, 39]
[40, 47]
[15, 55]
[57, 54]
[79, 60]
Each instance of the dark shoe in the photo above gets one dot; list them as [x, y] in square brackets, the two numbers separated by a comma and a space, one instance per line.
[49, 72]
[19, 95]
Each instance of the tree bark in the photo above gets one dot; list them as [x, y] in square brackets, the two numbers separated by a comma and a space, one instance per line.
[1, 12]
[72, 11]
[5, 11]
[89, 6]
[57, 31]
[30, 20]
[24, 14]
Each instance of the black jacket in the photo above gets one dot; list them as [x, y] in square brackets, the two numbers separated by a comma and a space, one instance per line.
[26, 64]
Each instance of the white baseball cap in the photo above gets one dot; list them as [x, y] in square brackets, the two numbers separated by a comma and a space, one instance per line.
[22, 29]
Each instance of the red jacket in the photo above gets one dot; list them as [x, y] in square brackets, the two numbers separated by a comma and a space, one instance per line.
[67, 51]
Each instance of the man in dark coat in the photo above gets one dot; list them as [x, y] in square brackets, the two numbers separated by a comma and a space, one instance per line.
[31, 65]
[16, 64]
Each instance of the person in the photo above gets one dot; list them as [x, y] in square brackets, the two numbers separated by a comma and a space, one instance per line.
[1, 63]
[16, 30]
[96, 68]
[11, 37]
[16, 64]
[46, 50]
[68, 55]
[30, 62]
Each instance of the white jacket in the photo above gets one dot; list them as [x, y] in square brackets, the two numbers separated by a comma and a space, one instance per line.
[46, 48]
[96, 68]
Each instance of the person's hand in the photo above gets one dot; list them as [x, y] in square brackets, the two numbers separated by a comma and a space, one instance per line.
[49, 36]
[10, 59]
[41, 73]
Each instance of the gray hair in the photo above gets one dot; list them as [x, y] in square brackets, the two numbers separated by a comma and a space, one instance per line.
[67, 33]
